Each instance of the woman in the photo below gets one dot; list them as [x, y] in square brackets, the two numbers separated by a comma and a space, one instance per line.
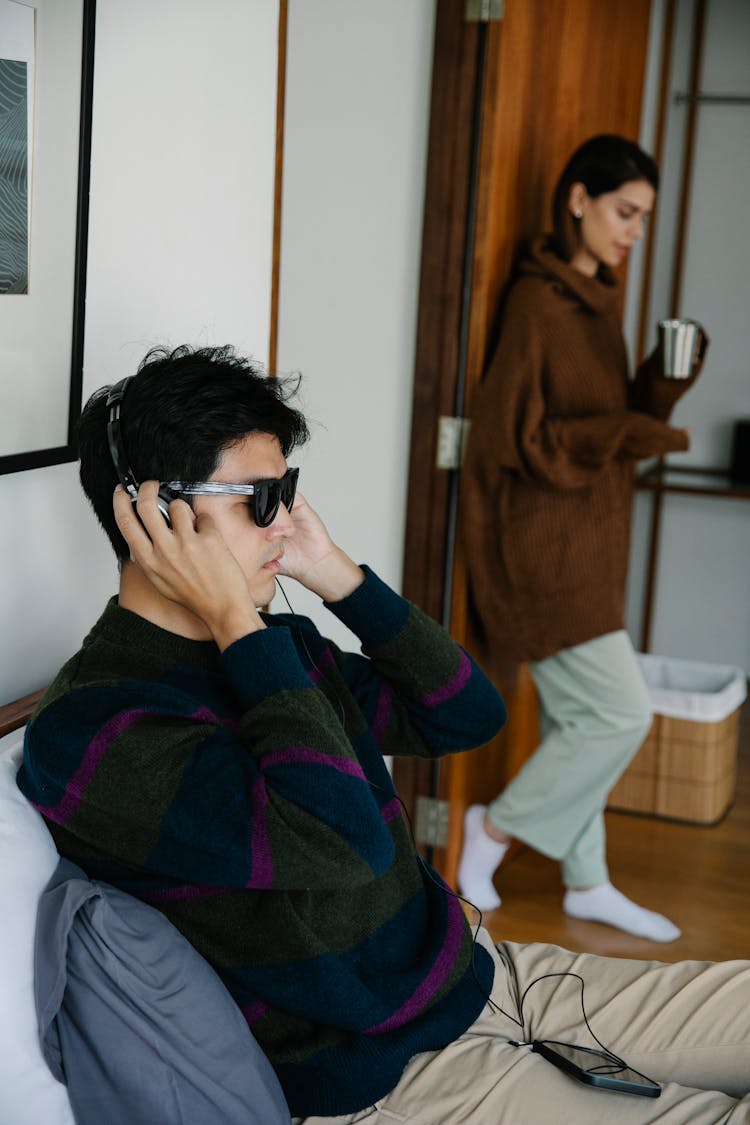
[557, 430]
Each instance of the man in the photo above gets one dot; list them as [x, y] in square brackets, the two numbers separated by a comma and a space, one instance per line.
[226, 766]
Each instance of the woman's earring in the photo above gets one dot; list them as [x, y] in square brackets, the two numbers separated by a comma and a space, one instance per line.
[578, 214]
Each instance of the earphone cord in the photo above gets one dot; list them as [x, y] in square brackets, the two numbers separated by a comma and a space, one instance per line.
[519, 1020]
[431, 875]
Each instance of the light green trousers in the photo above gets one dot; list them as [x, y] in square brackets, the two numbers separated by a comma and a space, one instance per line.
[594, 713]
[684, 1025]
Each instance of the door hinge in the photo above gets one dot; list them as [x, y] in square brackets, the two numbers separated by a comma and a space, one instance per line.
[432, 822]
[451, 441]
[485, 11]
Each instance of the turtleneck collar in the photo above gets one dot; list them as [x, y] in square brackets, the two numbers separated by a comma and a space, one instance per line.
[599, 293]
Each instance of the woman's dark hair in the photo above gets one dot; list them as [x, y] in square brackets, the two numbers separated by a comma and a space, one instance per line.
[602, 164]
[180, 412]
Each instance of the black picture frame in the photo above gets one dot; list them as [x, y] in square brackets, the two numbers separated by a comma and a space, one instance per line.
[58, 455]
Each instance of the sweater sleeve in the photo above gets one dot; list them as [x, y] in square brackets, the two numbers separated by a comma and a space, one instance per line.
[512, 428]
[420, 692]
[652, 393]
[568, 453]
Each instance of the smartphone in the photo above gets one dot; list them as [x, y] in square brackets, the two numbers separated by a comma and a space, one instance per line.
[596, 1068]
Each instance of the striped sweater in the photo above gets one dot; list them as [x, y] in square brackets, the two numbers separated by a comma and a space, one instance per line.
[245, 795]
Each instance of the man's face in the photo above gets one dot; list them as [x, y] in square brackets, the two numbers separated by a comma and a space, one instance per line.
[257, 549]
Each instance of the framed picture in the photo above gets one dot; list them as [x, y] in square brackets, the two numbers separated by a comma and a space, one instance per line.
[46, 80]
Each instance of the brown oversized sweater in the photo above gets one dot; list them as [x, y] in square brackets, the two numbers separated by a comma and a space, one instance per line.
[547, 487]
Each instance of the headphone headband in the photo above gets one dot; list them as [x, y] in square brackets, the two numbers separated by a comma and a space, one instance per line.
[117, 449]
[114, 436]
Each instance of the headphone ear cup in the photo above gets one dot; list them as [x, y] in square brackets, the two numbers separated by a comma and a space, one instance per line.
[163, 500]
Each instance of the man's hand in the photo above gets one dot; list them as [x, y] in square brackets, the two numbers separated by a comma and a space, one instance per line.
[311, 556]
[189, 564]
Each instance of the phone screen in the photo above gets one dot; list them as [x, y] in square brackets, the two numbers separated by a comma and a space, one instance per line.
[595, 1066]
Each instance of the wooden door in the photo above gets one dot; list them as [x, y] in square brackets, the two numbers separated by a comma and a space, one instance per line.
[510, 101]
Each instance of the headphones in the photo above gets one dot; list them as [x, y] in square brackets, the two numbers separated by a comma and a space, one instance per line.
[117, 450]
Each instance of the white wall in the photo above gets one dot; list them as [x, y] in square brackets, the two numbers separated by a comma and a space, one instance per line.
[702, 608]
[179, 250]
[180, 244]
[357, 113]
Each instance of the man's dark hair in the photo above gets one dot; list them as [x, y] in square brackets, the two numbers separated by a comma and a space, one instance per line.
[602, 164]
[181, 412]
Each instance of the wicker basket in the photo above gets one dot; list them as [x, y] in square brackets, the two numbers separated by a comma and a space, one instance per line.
[686, 769]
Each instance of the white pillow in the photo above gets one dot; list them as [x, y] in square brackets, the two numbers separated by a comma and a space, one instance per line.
[29, 1093]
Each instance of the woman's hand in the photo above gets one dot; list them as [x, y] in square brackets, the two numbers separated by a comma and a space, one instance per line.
[314, 560]
[700, 351]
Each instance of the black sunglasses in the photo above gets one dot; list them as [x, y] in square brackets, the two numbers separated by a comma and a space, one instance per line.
[268, 495]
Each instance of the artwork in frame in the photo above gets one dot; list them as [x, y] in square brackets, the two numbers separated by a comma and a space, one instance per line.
[14, 176]
[46, 81]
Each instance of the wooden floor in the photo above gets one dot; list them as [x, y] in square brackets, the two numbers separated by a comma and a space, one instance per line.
[698, 876]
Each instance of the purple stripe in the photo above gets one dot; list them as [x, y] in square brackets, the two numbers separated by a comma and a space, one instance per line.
[97, 748]
[262, 870]
[437, 975]
[390, 811]
[453, 686]
[383, 712]
[188, 892]
[205, 715]
[255, 1011]
[293, 755]
[323, 665]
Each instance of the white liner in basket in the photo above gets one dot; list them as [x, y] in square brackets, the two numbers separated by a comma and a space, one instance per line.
[687, 689]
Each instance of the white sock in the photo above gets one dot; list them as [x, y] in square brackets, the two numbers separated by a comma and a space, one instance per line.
[480, 858]
[606, 904]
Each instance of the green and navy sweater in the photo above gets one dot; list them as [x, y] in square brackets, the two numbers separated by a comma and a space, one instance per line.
[245, 795]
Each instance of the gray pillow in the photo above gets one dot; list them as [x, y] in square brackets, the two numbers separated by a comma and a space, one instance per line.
[135, 1021]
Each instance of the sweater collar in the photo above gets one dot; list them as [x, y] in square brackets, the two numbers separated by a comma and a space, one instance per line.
[599, 293]
[123, 627]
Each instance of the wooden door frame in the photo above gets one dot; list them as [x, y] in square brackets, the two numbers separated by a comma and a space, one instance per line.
[447, 248]
[462, 280]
